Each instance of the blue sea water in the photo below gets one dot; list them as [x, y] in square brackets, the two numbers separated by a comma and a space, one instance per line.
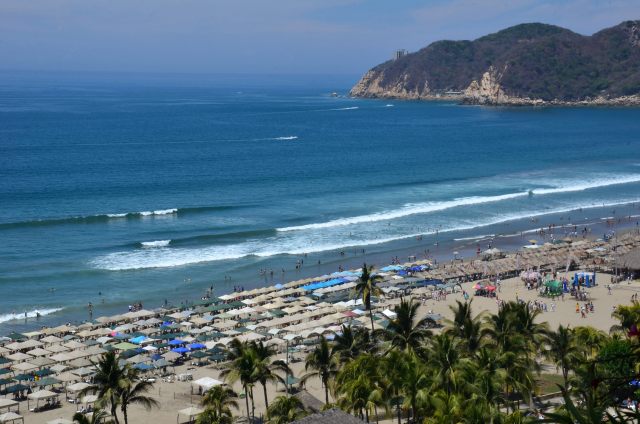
[116, 189]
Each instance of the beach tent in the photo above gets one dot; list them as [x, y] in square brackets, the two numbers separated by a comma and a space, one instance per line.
[41, 395]
[8, 404]
[589, 278]
[10, 417]
[190, 413]
[389, 314]
[206, 383]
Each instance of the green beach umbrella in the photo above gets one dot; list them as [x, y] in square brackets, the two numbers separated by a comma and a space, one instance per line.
[47, 381]
[125, 346]
[43, 372]
[16, 336]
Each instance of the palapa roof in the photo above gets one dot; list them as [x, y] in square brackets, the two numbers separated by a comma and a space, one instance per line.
[332, 416]
[630, 260]
[309, 401]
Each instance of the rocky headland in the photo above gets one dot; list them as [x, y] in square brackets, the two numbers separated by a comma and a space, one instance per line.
[528, 64]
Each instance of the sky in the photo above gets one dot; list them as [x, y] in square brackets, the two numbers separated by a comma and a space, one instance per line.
[263, 36]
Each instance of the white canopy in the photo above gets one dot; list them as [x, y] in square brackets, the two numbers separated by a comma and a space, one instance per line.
[42, 394]
[77, 386]
[206, 383]
[389, 314]
[190, 412]
[9, 417]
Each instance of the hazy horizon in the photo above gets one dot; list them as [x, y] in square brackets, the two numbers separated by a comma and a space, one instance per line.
[253, 37]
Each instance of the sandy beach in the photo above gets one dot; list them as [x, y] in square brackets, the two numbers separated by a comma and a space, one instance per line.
[296, 314]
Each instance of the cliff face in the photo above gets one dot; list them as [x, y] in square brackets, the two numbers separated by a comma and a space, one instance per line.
[525, 64]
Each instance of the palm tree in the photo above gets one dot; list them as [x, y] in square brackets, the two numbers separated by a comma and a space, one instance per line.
[132, 391]
[241, 367]
[360, 385]
[629, 317]
[351, 342]
[108, 380]
[415, 382]
[323, 364]
[265, 369]
[366, 288]
[446, 359]
[465, 326]
[285, 409]
[590, 339]
[98, 416]
[405, 331]
[487, 376]
[209, 416]
[563, 350]
[218, 402]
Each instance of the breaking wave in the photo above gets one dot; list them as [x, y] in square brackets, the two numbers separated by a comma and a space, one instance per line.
[157, 243]
[30, 314]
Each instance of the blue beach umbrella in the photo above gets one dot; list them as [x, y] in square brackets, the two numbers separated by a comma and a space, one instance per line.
[196, 346]
[142, 366]
[176, 342]
[180, 350]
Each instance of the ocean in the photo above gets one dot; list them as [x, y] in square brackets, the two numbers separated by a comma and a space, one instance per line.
[117, 189]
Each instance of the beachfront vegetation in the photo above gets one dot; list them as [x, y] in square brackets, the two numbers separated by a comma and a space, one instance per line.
[118, 387]
[285, 409]
[479, 368]
[218, 402]
[251, 363]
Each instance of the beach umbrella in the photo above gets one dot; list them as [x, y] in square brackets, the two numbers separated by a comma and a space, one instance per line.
[23, 377]
[16, 388]
[47, 381]
[198, 355]
[180, 350]
[194, 346]
[142, 366]
[137, 340]
[43, 372]
[175, 342]
[160, 363]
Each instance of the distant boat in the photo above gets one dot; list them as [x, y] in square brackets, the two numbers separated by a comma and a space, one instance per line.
[334, 94]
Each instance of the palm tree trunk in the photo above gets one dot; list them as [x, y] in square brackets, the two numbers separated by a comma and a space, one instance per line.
[371, 316]
[326, 391]
[114, 411]
[366, 414]
[246, 399]
[266, 399]
[253, 405]
[124, 413]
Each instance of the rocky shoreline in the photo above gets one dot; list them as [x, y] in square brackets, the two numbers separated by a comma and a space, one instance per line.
[487, 91]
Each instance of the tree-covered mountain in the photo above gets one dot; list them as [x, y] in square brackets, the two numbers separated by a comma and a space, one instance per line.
[527, 62]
